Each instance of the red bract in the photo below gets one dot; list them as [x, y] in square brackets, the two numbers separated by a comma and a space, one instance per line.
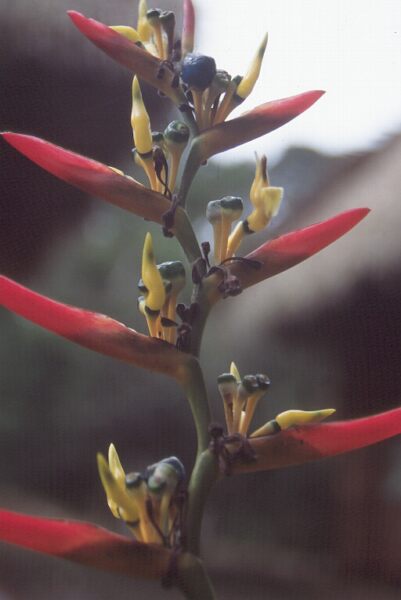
[303, 444]
[188, 27]
[91, 176]
[99, 180]
[92, 330]
[290, 249]
[128, 54]
[84, 543]
[257, 122]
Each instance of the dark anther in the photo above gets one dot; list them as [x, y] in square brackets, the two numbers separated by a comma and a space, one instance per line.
[226, 458]
[175, 82]
[230, 286]
[193, 312]
[168, 64]
[188, 315]
[184, 337]
[165, 322]
[161, 166]
[189, 96]
[206, 251]
[169, 216]
[181, 311]
[185, 108]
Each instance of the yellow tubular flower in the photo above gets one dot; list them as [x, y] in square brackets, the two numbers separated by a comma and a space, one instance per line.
[119, 502]
[266, 201]
[142, 133]
[226, 105]
[260, 180]
[144, 29]
[270, 200]
[247, 387]
[137, 491]
[234, 371]
[293, 418]
[115, 465]
[248, 81]
[153, 281]
[129, 32]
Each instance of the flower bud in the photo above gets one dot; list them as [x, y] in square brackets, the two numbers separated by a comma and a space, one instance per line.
[198, 71]
[140, 122]
[152, 280]
[293, 418]
[176, 134]
[234, 371]
[129, 32]
[248, 81]
[174, 273]
[119, 503]
[144, 29]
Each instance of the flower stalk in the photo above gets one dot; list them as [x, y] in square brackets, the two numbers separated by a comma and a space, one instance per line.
[162, 510]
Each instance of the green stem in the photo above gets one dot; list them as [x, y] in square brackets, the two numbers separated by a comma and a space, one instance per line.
[193, 580]
[194, 387]
[186, 236]
[203, 477]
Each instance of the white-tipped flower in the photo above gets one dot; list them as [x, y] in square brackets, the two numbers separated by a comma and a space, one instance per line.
[163, 479]
[252, 402]
[221, 214]
[247, 387]
[176, 136]
[228, 387]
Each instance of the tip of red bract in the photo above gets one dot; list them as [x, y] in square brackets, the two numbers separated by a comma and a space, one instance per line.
[16, 140]
[76, 16]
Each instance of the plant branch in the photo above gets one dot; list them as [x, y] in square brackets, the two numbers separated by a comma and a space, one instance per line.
[186, 236]
[204, 475]
[193, 384]
[193, 580]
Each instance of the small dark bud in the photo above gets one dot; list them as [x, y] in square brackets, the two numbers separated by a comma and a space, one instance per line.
[263, 381]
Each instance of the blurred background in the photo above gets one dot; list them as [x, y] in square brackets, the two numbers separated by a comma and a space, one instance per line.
[328, 332]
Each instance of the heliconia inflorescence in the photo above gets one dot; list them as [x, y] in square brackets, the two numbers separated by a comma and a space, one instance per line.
[160, 506]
